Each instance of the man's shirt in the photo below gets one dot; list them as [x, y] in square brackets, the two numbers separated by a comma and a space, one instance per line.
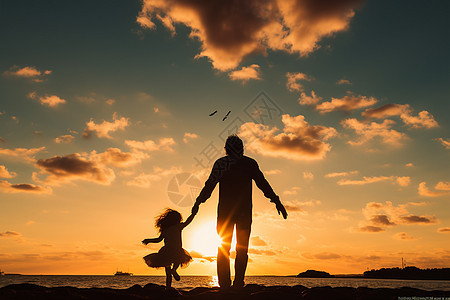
[235, 176]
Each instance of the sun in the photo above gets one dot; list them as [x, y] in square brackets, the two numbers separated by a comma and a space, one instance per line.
[205, 239]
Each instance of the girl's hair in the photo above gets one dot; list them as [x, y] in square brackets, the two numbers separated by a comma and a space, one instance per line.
[168, 218]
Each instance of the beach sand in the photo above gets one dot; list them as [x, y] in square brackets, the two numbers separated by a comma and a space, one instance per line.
[251, 291]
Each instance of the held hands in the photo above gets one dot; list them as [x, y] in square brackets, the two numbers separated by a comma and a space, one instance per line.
[194, 210]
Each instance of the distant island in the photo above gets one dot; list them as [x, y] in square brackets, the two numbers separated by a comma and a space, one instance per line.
[314, 274]
[409, 273]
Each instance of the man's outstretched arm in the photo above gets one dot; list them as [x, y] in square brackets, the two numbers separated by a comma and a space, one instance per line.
[264, 186]
[207, 190]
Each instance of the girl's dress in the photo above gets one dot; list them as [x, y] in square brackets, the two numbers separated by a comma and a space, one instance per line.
[172, 252]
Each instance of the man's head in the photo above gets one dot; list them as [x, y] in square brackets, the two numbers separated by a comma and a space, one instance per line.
[234, 146]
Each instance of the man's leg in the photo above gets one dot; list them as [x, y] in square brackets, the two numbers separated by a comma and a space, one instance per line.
[225, 232]
[243, 229]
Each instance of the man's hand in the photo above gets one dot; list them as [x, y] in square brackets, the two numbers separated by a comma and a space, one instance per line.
[281, 209]
[279, 206]
[146, 241]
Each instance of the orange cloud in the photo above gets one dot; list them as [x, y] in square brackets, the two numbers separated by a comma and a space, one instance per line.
[73, 167]
[145, 180]
[382, 215]
[7, 187]
[347, 103]
[423, 120]
[231, 30]
[411, 219]
[369, 131]
[344, 81]
[445, 143]
[257, 241]
[22, 153]
[293, 79]
[246, 73]
[404, 236]
[385, 111]
[340, 174]
[118, 158]
[402, 181]
[164, 144]
[64, 139]
[444, 186]
[371, 229]
[298, 140]
[309, 100]
[444, 230]
[4, 173]
[426, 192]
[381, 220]
[10, 234]
[51, 101]
[188, 136]
[103, 129]
[27, 72]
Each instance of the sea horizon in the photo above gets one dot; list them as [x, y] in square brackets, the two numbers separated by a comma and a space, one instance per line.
[189, 282]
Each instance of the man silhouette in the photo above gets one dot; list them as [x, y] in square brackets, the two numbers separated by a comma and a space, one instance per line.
[234, 173]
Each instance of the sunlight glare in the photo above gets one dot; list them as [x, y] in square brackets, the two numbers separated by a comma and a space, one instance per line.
[205, 239]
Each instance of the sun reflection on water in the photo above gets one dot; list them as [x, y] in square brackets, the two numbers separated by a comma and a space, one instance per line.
[214, 282]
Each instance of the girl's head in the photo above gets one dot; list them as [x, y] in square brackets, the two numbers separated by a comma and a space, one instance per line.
[168, 218]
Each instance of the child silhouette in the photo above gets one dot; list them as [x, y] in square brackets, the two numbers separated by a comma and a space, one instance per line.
[172, 254]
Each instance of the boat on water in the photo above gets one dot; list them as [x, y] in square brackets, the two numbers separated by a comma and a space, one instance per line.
[120, 273]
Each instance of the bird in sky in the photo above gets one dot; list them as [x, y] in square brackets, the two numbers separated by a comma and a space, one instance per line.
[226, 116]
[212, 114]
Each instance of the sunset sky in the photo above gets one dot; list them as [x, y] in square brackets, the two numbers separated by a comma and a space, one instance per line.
[344, 104]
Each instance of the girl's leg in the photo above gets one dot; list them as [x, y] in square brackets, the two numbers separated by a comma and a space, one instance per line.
[168, 276]
[174, 272]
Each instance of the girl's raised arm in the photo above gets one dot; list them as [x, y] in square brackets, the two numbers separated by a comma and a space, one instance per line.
[154, 240]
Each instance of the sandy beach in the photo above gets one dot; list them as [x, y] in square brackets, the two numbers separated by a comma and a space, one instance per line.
[251, 291]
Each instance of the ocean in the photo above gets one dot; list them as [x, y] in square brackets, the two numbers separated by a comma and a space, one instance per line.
[190, 282]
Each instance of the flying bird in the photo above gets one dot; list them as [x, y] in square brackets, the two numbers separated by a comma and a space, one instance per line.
[212, 114]
[226, 116]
